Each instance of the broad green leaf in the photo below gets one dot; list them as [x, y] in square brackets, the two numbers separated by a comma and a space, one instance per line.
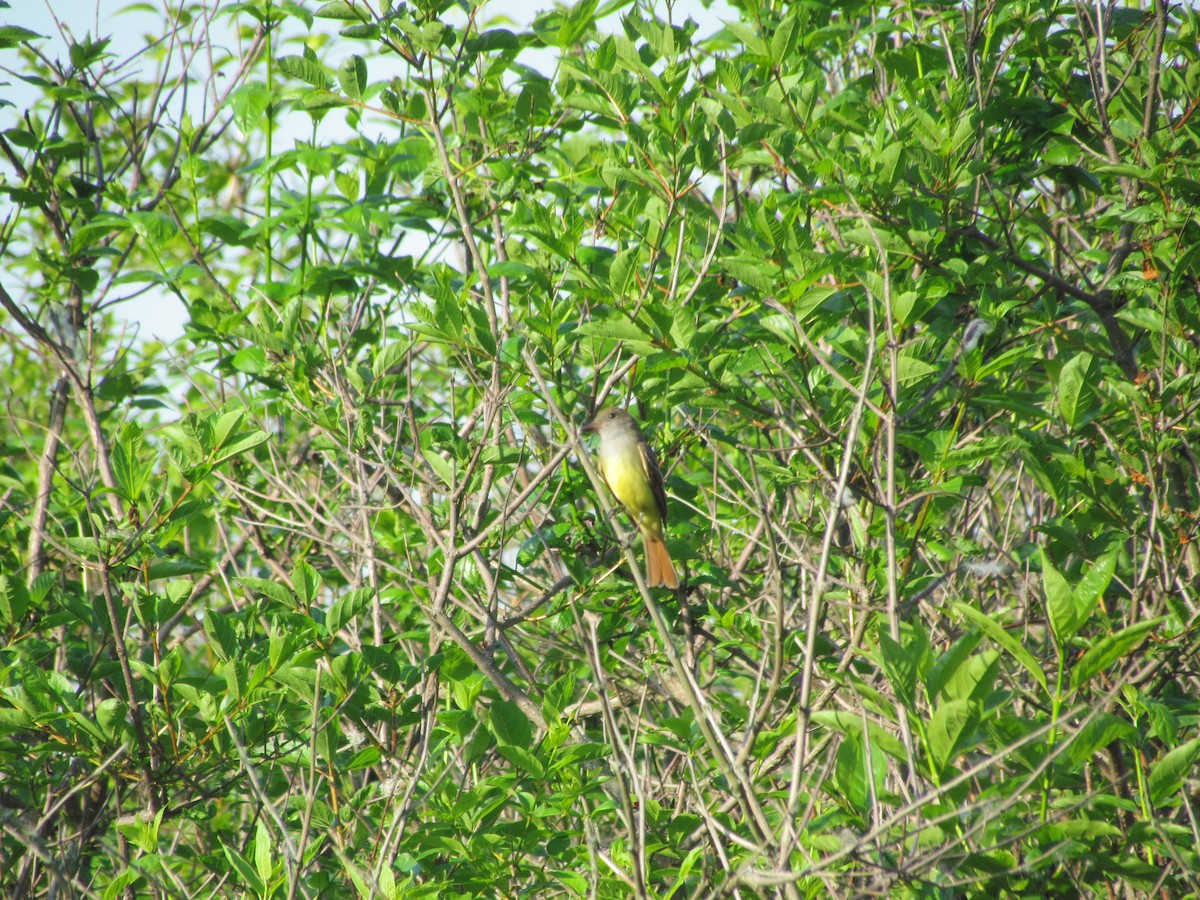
[948, 663]
[352, 76]
[1109, 649]
[1091, 587]
[249, 104]
[304, 69]
[900, 664]
[1167, 775]
[249, 877]
[306, 582]
[614, 329]
[14, 601]
[1074, 388]
[262, 851]
[1060, 602]
[510, 725]
[998, 634]
[267, 588]
[947, 728]
[12, 35]
[347, 607]
[523, 758]
[221, 634]
[849, 723]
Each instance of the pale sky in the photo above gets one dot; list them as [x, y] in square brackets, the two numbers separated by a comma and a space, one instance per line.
[154, 314]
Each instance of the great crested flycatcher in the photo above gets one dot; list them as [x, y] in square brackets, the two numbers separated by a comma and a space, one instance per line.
[631, 472]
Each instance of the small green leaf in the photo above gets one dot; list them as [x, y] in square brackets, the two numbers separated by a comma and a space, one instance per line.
[14, 601]
[997, 633]
[1093, 584]
[523, 758]
[339, 9]
[306, 582]
[249, 103]
[614, 329]
[1074, 388]
[900, 664]
[1109, 649]
[950, 661]
[509, 724]
[250, 360]
[12, 35]
[1060, 603]
[239, 444]
[950, 722]
[352, 76]
[621, 270]
[348, 606]
[493, 39]
[1168, 774]
[262, 850]
[267, 588]
[249, 877]
[578, 19]
[154, 228]
[304, 69]
[220, 634]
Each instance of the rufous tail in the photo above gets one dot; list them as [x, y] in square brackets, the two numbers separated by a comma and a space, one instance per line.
[660, 572]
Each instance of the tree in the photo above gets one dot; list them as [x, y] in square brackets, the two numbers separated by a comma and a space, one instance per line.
[325, 597]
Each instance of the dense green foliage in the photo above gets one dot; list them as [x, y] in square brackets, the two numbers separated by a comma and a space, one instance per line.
[323, 599]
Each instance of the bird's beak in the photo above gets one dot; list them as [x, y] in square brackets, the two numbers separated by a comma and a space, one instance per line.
[589, 427]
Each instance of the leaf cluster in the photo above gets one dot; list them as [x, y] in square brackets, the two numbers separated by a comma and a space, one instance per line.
[322, 597]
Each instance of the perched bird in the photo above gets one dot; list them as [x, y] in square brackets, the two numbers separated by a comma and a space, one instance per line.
[631, 472]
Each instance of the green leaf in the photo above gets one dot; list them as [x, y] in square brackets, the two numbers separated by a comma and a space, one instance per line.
[347, 607]
[12, 35]
[1074, 388]
[614, 329]
[948, 726]
[1093, 584]
[852, 724]
[221, 635]
[249, 104]
[1097, 734]
[129, 473]
[352, 76]
[558, 696]
[174, 567]
[900, 664]
[249, 878]
[155, 229]
[509, 724]
[523, 758]
[620, 273]
[950, 661]
[262, 851]
[997, 633]
[1168, 774]
[1109, 649]
[1060, 602]
[14, 601]
[576, 22]
[239, 444]
[306, 583]
[304, 69]
[493, 39]
[339, 9]
[267, 588]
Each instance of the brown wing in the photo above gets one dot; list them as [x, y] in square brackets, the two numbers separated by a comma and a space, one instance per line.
[650, 464]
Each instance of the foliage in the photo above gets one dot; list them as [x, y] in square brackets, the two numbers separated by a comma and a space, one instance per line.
[323, 598]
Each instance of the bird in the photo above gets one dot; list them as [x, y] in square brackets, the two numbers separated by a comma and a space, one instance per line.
[629, 468]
